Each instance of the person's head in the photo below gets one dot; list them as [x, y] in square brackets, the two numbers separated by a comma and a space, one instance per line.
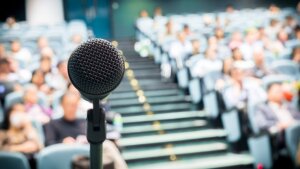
[15, 46]
[181, 36]
[76, 38]
[169, 26]
[196, 44]
[219, 33]
[258, 56]
[297, 31]
[4, 66]
[237, 36]
[229, 8]
[274, 22]
[62, 67]
[144, 14]
[38, 77]
[296, 54]
[236, 73]
[2, 51]
[30, 95]
[237, 54]
[15, 118]
[10, 21]
[46, 64]
[69, 103]
[274, 8]
[275, 93]
[212, 41]
[186, 29]
[227, 64]
[157, 11]
[282, 36]
[210, 53]
[42, 42]
[290, 20]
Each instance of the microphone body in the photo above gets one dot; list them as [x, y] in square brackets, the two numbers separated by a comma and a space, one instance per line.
[96, 68]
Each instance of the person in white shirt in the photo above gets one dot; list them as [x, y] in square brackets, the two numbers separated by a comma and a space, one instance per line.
[209, 63]
[20, 54]
[180, 49]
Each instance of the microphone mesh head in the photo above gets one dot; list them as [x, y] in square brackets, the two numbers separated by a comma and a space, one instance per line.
[96, 68]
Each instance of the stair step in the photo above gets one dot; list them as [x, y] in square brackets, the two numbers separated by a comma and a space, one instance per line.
[144, 67]
[168, 127]
[222, 160]
[150, 87]
[151, 101]
[172, 138]
[170, 107]
[200, 149]
[164, 117]
[154, 93]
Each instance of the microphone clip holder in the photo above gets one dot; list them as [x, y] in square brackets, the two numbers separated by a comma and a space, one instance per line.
[96, 125]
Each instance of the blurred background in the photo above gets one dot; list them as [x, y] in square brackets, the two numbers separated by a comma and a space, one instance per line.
[208, 84]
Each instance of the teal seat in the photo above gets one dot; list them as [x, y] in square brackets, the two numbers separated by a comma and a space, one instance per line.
[292, 139]
[232, 126]
[195, 90]
[260, 149]
[183, 78]
[60, 156]
[286, 67]
[9, 160]
[211, 106]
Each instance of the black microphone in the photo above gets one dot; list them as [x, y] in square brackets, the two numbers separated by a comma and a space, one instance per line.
[96, 68]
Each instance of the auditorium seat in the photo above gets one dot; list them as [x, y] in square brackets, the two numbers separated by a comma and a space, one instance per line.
[9, 160]
[59, 156]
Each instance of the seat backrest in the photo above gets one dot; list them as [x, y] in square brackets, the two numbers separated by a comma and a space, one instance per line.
[232, 126]
[260, 149]
[60, 156]
[13, 98]
[9, 160]
[17, 97]
[292, 139]
[195, 90]
[287, 67]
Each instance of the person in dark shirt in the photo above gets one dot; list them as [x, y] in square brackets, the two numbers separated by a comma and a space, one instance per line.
[67, 129]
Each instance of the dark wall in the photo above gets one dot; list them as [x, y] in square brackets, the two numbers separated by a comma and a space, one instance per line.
[96, 13]
[128, 10]
[14, 8]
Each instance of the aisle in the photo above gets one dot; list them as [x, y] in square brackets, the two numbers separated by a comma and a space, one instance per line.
[162, 128]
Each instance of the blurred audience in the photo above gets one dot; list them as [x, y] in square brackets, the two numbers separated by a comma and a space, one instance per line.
[22, 55]
[67, 129]
[276, 114]
[33, 108]
[18, 134]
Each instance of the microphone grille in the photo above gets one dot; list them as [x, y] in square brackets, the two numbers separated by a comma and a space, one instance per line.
[96, 68]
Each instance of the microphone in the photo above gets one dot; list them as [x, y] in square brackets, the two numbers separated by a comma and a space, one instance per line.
[96, 68]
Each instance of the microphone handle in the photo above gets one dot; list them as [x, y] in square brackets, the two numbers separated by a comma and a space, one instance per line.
[96, 156]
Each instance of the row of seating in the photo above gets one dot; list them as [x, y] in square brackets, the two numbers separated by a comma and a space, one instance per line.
[202, 89]
[55, 156]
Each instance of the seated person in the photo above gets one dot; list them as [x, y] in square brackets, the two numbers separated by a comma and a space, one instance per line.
[18, 134]
[6, 84]
[71, 130]
[67, 129]
[275, 115]
[33, 109]
[296, 55]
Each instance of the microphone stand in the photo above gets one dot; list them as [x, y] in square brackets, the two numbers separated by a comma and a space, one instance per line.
[96, 134]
